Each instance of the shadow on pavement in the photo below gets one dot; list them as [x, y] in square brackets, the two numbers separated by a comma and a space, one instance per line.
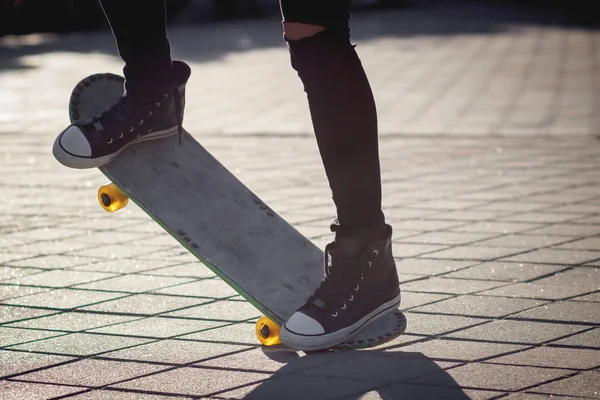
[352, 374]
[199, 41]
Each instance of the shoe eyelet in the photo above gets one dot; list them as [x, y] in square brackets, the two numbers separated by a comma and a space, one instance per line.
[149, 113]
[149, 130]
[120, 135]
[157, 105]
[141, 121]
[344, 306]
[334, 314]
[362, 276]
[351, 297]
[369, 264]
[110, 141]
[356, 288]
[166, 95]
[376, 252]
[131, 129]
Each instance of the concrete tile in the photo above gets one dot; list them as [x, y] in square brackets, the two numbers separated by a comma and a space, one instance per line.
[238, 333]
[517, 331]
[11, 314]
[570, 230]
[10, 390]
[53, 261]
[144, 304]
[478, 253]
[63, 298]
[59, 278]
[16, 362]
[11, 336]
[479, 306]
[553, 356]
[10, 273]
[505, 271]
[123, 265]
[536, 290]
[424, 392]
[71, 321]
[496, 227]
[585, 384]
[450, 286]
[214, 288]
[120, 395]
[189, 270]
[429, 266]
[534, 396]
[522, 241]
[12, 291]
[429, 324]
[460, 350]
[591, 243]
[174, 351]
[495, 377]
[226, 310]
[158, 327]
[563, 311]
[91, 373]
[134, 283]
[552, 256]
[414, 299]
[80, 344]
[192, 381]
[590, 338]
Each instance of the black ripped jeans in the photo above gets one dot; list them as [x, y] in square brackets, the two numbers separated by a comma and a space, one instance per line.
[340, 100]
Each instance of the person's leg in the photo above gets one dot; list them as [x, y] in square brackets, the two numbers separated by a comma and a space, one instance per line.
[361, 282]
[154, 96]
[343, 112]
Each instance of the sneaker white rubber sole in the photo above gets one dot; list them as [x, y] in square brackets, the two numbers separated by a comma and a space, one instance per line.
[71, 161]
[329, 340]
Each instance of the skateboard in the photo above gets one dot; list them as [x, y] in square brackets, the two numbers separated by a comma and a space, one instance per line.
[215, 217]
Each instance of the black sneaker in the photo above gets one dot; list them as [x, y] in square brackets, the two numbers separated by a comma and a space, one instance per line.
[356, 291]
[138, 116]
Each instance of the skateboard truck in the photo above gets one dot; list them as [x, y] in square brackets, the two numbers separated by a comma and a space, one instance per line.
[111, 198]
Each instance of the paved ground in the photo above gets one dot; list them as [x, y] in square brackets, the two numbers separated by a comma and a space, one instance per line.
[490, 145]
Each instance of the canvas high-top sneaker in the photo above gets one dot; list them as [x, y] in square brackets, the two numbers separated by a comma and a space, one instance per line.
[142, 114]
[356, 291]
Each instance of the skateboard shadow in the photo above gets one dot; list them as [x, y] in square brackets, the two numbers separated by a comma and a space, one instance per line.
[349, 375]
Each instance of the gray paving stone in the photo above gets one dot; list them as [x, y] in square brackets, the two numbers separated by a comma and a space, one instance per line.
[563, 311]
[460, 350]
[214, 288]
[79, 344]
[584, 384]
[71, 321]
[451, 286]
[590, 338]
[134, 283]
[192, 381]
[10, 390]
[522, 241]
[552, 256]
[11, 336]
[479, 306]
[425, 392]
[59, 278]
[123, 265]
[429, 324]
[493, 376]
[517, 331]
[121, 395]
[158, 327]
[226, 310]
[12, 314]
[9, 273]
[542, 291]
[91, 373]
[534, 396]
[14, 291]
[16, 362]
[238, 333]
[63, 298]
[175, 351]
[51, 261]
[553, 357]
[187, 270]
[505, 271]
[591, 243]
[427, 266]
[448, 238]
[144, 304]
[473, 252]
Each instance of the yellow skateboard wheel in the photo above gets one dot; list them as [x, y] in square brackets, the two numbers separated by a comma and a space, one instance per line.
[267, 331]
[111, 198]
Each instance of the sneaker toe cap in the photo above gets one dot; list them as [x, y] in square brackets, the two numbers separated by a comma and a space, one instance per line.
[74, 142]
[302, 324]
